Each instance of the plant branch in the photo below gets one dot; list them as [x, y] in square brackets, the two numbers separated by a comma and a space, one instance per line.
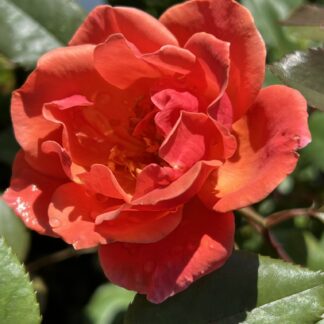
[55, 258]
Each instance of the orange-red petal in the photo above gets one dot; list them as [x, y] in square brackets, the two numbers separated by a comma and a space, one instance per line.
[60, 73]
[86, 220]
[200, 244]
[147, 33]
[231, 22]
[268, 137]
[167, 60]
[29, 195]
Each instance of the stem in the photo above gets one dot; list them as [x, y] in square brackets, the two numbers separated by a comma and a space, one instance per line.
[55, 258]
[277, 218]
[250, 214]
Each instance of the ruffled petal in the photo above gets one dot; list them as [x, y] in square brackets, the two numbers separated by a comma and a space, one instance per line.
[214, 57]
[59, 74]
[196, 137]
[268, 136]
[138, 226]
[152, 192]
[85, 220]
[200, 244]
[29, 195]
[231, 22]
[71, 215]
[147, 33]
[100, 179]
[170, 103]
[168, 60]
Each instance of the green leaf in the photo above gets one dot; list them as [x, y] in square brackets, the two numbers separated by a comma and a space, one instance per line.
[304, 71]
[314, 152]
[307, 22]
[14, 231]
[267, 15]
[7, 78]
[248, 289]
[17, 298]
[107, 303]
[31, 28]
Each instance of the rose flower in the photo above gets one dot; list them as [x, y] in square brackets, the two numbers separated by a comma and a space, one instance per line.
[142, 136]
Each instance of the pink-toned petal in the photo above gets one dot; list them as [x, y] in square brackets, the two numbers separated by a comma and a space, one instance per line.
[113, 71]
[196, 137]
[154, 176]
[171, 58]
[29, 195]
[70, 168]
[222, 111]
[177, 192]
[71, 215]
[213, 55]
[268, 136]
[200, 244]
[139, 226]
[100, 179]
[59, 74]
[167, 60]
[231, 22]
[171, 103]
[85, 129]
[147, 33]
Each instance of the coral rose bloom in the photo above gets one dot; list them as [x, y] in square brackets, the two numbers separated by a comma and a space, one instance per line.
[143, 135]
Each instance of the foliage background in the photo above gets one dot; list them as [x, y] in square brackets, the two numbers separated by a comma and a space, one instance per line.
[65, 280]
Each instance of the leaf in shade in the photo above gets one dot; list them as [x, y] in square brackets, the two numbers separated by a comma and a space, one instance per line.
[17, 298]
[267, 15]
[13, 231]
[248, 289]
[307, 22]
[31, 28]
[107, 303]
[304, 71]
[314, 153]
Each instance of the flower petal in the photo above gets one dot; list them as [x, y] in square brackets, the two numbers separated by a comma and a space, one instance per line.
[60, 73]
[200, 244]
[140, 226]
[268, 136]
[171, 103]
[71, 216]
[167, 60]
[86, 220]
[29, 195]
[147, 33]
[100, 179]
[231, 22]
[214, 57]
[196, 137]
[153, 193]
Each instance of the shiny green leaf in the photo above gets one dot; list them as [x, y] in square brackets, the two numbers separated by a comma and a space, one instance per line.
[31, 28]
[108, 302]
[17, 298]
[248, 289]
[304, 71]
[14, 231]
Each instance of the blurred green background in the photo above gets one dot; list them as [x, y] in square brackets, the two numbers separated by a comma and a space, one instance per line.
[67, 282]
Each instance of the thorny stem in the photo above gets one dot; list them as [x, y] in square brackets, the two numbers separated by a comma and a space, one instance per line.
[55, 258]
[264, 224]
